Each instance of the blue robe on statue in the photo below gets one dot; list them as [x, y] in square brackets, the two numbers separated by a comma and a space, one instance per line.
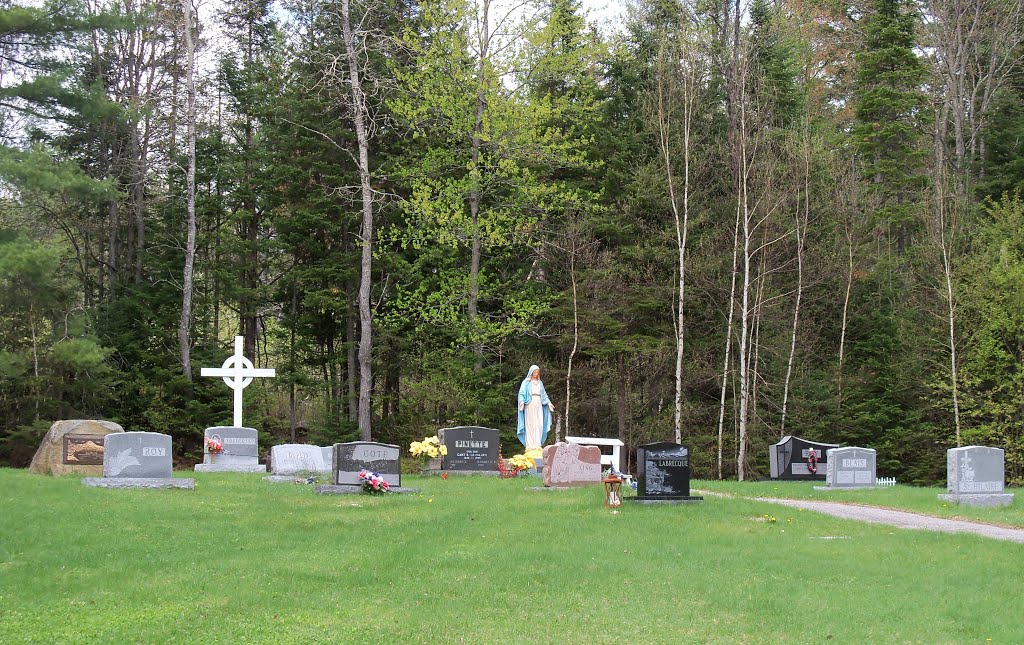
[524, 398]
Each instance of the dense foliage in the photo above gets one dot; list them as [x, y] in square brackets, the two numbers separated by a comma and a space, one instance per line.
[741, 221]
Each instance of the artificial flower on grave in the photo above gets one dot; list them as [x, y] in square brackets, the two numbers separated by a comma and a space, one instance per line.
[429, 448]
[522, 462]
[214, 446]
[373, 482]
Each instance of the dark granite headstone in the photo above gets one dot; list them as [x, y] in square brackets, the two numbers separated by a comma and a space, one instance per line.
[663, 472]
[470, 448]
[350, 458]
[790, 458]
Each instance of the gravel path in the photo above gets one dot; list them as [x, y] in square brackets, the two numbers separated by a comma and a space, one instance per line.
[901, 519]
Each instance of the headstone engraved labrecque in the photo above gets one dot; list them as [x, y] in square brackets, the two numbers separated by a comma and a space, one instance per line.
[791, 458]
[663, 474]
[138, 460]
[975, 476]
[470, 449]
[240, 454]
[850, 467]
[570, 464]
[73, 446]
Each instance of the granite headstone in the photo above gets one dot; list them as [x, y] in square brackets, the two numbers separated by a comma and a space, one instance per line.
[138, 460]
[295, 458]
[571, 464]
[975, 477]
[470, 449]
[790, 458]
[663, 473]
[850, 467]
[241, 451]
[350, 458]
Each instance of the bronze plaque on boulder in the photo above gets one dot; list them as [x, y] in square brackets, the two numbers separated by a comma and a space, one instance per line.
[83, 449]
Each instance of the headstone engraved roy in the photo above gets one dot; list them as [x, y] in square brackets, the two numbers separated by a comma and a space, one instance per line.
[138, 460]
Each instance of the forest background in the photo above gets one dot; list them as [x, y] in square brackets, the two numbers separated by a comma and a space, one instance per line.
[716, 223]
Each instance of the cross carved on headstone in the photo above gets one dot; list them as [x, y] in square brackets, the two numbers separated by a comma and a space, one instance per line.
[237, 372]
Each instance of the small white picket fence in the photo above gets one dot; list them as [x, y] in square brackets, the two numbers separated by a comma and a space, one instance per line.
[885, 481]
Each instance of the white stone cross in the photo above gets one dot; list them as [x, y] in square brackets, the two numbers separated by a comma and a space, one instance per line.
[238, 377]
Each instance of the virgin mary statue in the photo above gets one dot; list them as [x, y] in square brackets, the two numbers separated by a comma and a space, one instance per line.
[535, 410]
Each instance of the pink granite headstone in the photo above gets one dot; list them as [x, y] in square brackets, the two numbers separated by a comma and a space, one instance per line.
[570, 464]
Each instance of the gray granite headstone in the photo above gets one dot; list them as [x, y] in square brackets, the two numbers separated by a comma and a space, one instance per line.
[850, 467]
[138, 460]
[350, 458]
[975, 476]
[471, 449]
[294, 458]
[241, 451]
[137, 454]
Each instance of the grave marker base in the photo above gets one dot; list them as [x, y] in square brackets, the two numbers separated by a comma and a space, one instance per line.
[832, 488]
[994, 499]
[351, 490]
[688, 499]
[230, 468]
[139, 482]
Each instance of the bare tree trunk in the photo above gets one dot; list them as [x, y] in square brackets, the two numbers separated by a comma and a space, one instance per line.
[801, 239]
[621, 412]
[476, 171]
[362, 140]
[846, 310]
[728, 336]
[744, 291]
[185, 324]
[575, 336]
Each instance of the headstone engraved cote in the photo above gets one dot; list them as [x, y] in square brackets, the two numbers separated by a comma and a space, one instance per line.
[350, 458]
[470, 449]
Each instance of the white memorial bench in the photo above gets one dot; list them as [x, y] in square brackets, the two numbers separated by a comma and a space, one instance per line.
[613, 459]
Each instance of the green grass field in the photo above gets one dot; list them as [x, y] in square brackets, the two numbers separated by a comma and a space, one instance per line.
[907, 498]
[477, 560]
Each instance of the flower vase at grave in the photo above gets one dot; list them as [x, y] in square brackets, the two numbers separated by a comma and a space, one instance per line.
[434, 463]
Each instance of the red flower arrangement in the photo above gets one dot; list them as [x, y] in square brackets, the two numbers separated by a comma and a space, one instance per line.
[214, 446]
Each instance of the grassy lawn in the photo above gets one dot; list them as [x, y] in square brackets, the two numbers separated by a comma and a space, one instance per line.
[477, 560]
[909, 498]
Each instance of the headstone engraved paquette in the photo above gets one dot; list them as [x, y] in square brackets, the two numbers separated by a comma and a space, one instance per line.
[663, 474]
[975, 476]
[138, 460]
[471, 449]
[240, 443]
[240, 454]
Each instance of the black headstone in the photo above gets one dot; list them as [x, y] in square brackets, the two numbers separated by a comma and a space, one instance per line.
[663, 472]
[470, 448]
[350, 458]
[791, 457]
